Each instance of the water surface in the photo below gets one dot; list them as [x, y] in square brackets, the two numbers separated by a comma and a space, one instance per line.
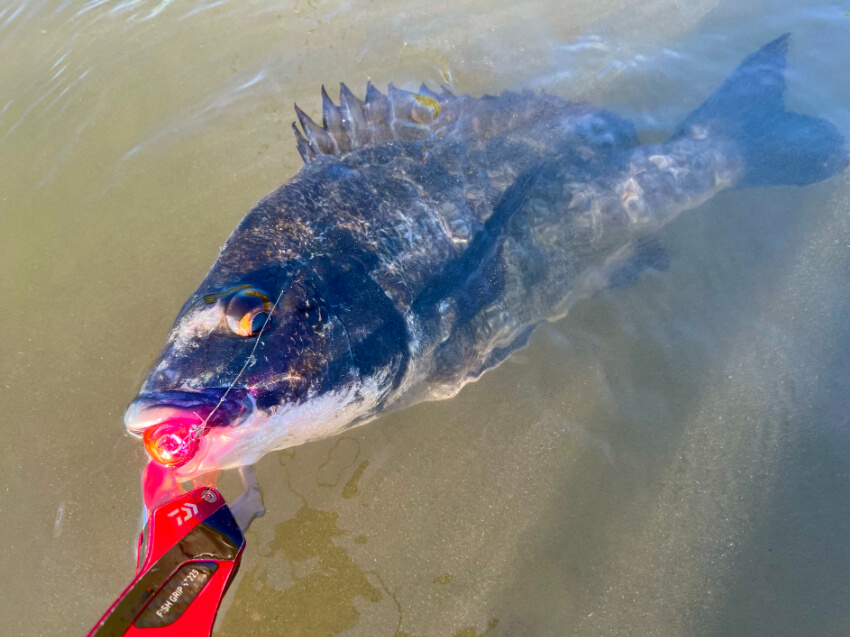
[670, 459]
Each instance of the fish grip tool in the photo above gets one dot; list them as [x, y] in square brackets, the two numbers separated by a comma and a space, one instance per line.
[189, 552]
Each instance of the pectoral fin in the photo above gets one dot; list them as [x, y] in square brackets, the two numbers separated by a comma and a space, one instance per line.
[248, 506]
[644, 254]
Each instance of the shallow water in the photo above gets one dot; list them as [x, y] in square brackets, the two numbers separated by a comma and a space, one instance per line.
[670, 459]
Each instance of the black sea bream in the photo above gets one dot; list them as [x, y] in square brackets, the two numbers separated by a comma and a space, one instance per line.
[425, 238]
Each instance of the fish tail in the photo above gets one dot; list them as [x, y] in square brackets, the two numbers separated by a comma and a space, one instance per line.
[778, 147]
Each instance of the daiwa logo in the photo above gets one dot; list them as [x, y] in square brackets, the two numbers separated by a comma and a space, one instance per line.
[189, 509]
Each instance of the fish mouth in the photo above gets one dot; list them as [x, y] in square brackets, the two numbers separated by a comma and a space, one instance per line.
[214, 407]
[178, 426]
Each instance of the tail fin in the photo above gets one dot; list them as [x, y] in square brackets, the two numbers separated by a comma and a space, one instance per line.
[778, 146]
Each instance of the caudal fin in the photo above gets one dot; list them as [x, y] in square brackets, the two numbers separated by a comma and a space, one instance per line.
[778, 146]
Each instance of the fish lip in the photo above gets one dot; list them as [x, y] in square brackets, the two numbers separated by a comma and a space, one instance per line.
[219, 407]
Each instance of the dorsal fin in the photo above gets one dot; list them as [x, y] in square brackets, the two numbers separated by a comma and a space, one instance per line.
[379, 118]
[427, 115]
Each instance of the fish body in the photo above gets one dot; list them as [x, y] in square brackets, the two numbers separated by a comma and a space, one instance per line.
[425, 238]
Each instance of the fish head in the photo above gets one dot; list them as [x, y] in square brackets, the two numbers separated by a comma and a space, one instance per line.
[254, 362]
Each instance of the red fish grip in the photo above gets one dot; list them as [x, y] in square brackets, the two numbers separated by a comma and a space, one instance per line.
[189, 553]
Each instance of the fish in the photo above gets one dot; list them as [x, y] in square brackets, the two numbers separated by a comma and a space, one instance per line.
[426, 237]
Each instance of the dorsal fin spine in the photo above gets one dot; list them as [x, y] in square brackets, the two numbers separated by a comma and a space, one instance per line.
[332, 121]
[353, 118]
[398, 115]
[305, 149]
[392, 93]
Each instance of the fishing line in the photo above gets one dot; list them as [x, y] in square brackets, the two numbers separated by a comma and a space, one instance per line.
[199, 428]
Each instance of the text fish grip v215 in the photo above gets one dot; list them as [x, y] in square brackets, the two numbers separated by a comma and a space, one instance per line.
[189, 552]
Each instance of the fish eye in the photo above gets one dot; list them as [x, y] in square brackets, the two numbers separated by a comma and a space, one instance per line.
[248, 312]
